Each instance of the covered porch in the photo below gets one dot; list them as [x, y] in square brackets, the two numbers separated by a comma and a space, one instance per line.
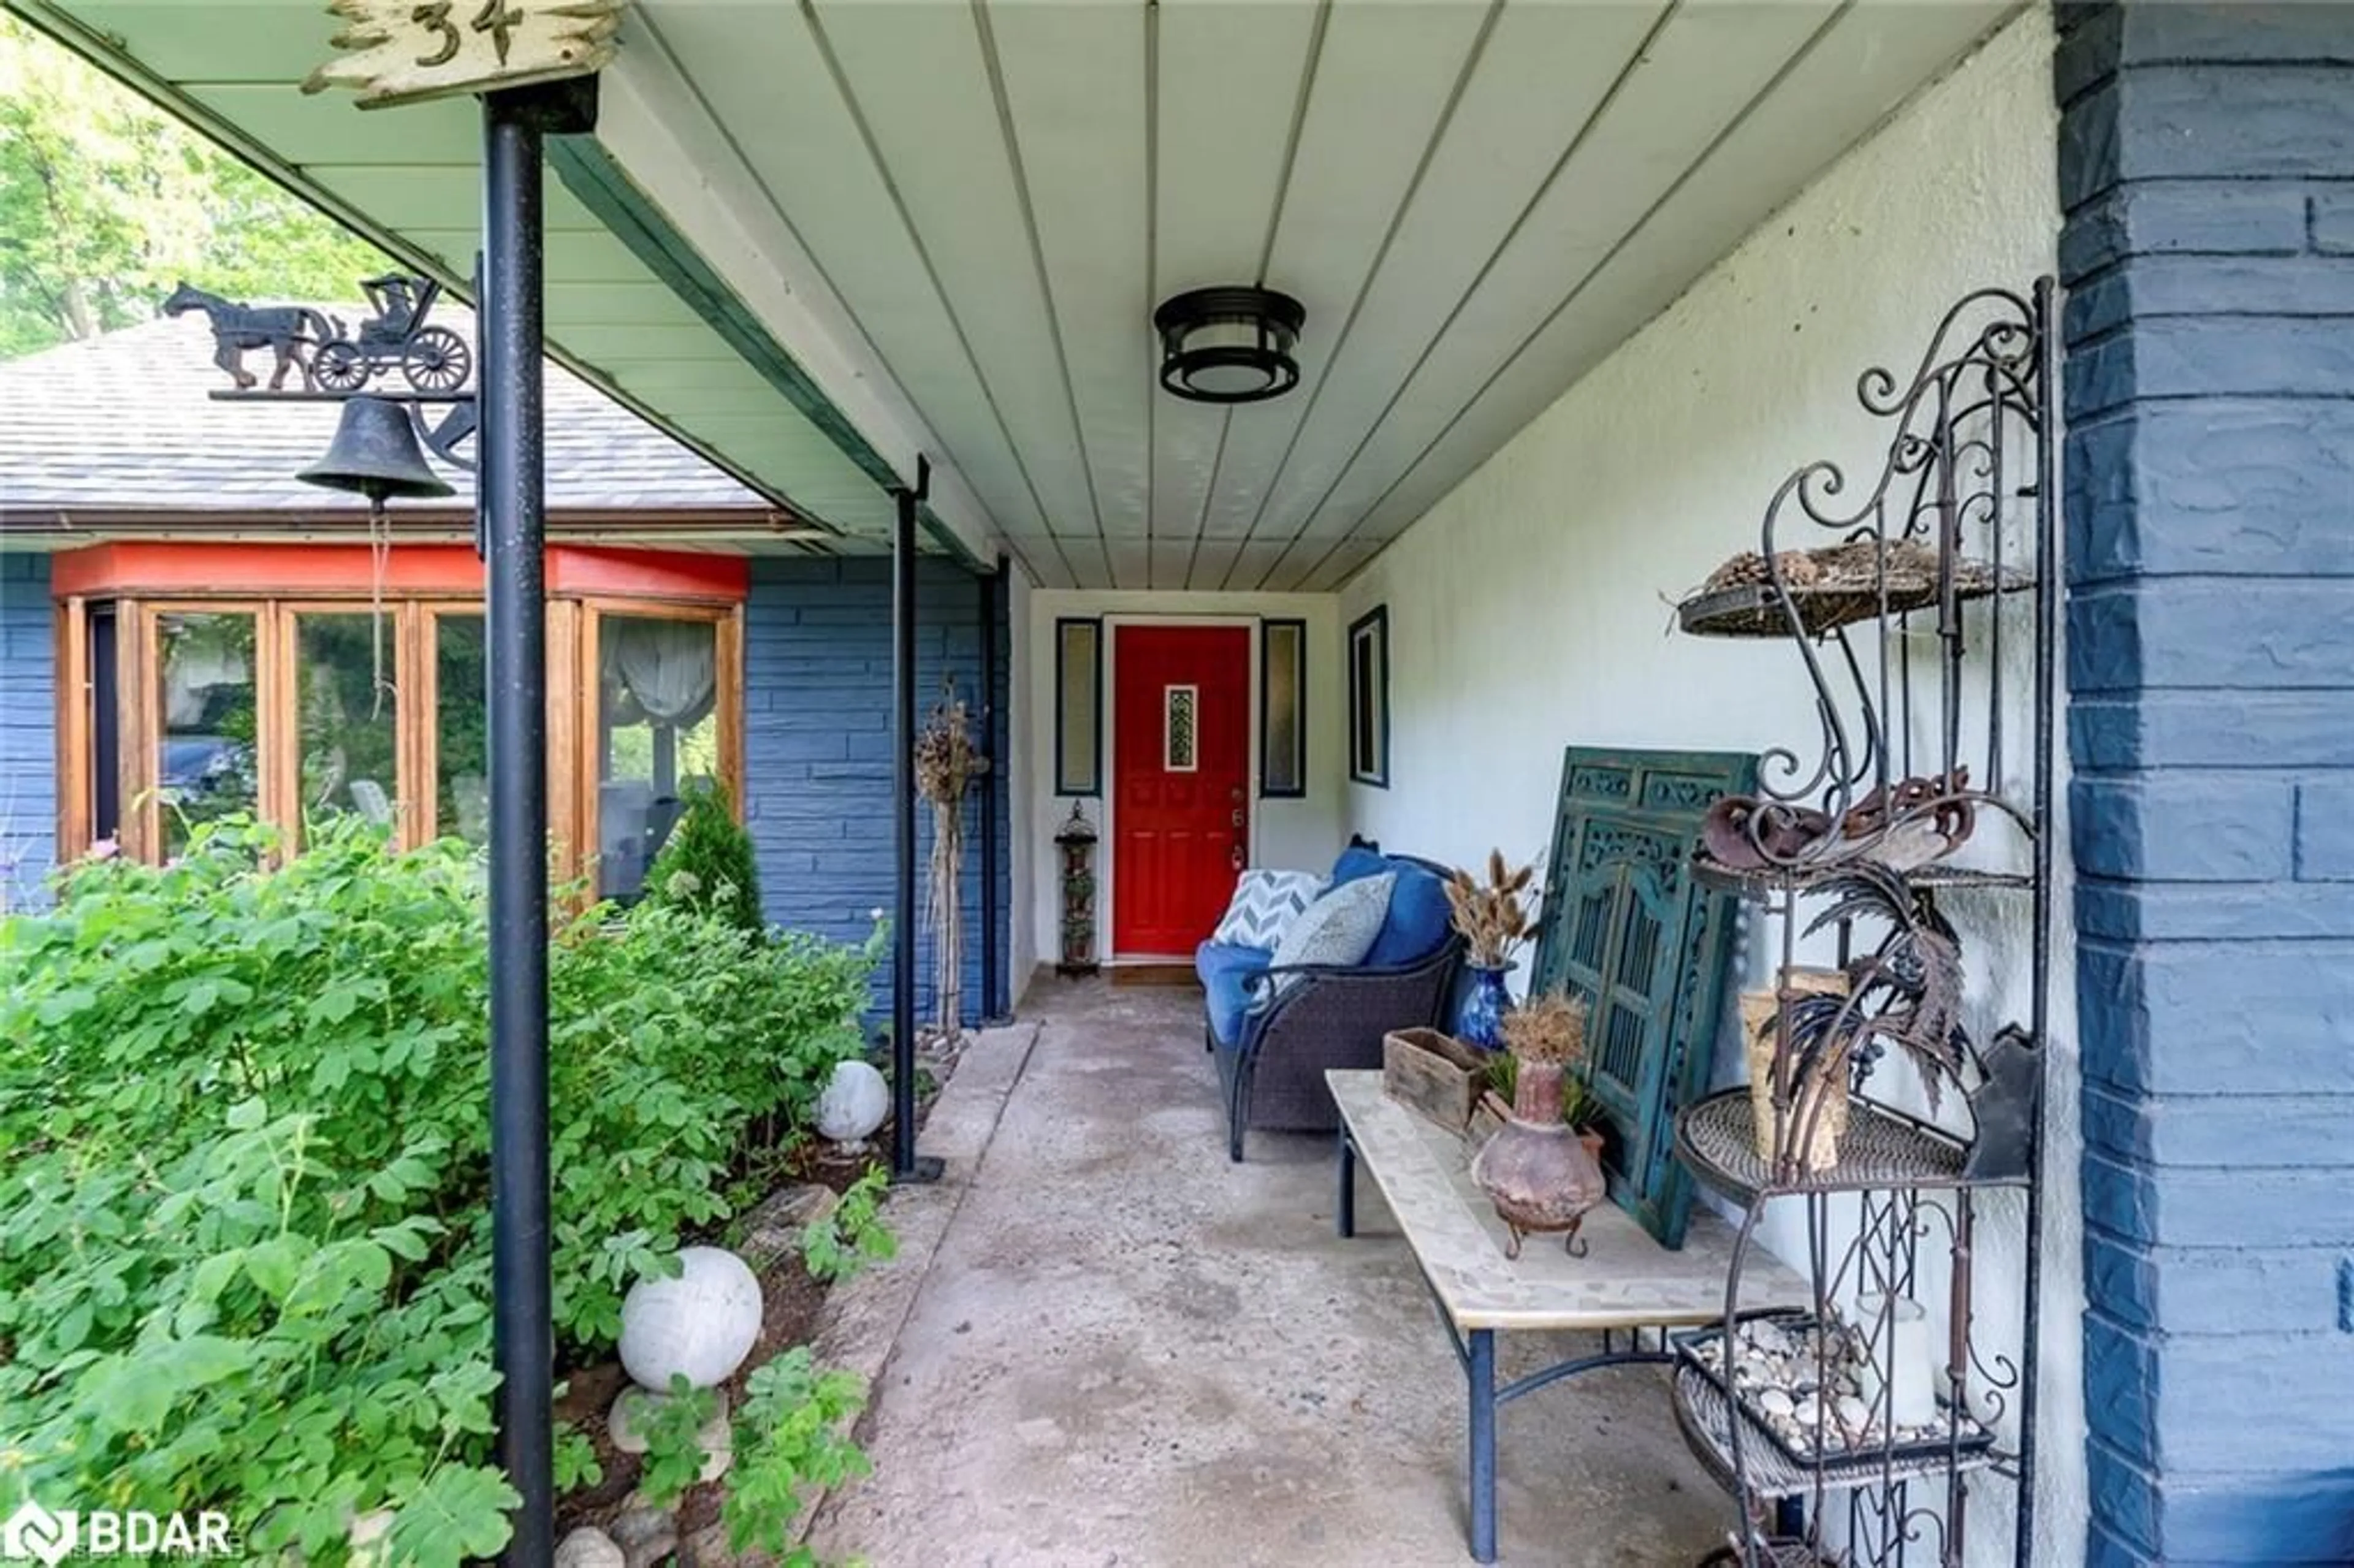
[1581, 285]
[1122, 1348]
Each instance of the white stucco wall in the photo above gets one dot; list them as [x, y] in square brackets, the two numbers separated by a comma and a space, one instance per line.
[1304, 833]
[1530, 608]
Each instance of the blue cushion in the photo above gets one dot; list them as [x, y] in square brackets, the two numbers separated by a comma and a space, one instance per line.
[1418, 919]
[1356, 862]
[1227, 971]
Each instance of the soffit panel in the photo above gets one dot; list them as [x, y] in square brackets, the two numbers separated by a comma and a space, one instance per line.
[1545, 72]
[943, 149]
[1383, 84]
[1833, 97]
[1228, 88]
[1075, 85]
[764, 78]
[1695, 79]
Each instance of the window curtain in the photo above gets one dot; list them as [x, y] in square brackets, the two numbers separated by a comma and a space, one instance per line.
[666, 670]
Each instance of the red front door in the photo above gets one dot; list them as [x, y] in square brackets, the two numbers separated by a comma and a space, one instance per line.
[1181, 778]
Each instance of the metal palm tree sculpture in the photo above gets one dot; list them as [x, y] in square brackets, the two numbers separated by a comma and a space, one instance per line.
[1907, 990]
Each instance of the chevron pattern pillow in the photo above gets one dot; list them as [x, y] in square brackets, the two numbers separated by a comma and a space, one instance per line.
[1266, 904]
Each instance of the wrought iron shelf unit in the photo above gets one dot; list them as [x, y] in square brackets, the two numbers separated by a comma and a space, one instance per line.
[1924, 616]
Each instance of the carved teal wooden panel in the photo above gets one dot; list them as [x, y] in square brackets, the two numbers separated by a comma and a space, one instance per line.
[1625, 926]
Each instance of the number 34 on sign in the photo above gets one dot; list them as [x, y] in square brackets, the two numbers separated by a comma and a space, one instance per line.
[402, 51]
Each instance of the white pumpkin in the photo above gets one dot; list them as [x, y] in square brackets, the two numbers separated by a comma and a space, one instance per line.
[700, 1325]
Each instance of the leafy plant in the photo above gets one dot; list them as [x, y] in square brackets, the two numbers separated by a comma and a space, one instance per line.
[790, 1435]
[673, 1427]
[1579, 1107]
[245, 1260]
[839, 1244]
[707, 863]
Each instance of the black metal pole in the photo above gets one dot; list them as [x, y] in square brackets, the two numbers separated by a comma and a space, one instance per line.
[991, 710]
[512, 501]
[905, 1164]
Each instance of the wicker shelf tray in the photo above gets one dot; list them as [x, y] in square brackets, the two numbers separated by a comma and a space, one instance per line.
[1717, 1140]
[1761, 881]
[1755, 609]
[1705, 1416]
[1970, 1439]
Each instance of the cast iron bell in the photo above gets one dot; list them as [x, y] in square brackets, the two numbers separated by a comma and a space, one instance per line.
[375, 454]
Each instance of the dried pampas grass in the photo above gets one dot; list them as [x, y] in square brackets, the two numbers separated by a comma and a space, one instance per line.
[1493, 917]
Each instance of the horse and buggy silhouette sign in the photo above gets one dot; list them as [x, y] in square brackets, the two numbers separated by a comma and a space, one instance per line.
[398, 340]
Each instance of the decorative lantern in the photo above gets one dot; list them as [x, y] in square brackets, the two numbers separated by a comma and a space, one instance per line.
[1077, 840]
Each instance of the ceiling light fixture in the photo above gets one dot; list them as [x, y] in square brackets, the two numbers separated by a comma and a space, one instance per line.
[1229, 344]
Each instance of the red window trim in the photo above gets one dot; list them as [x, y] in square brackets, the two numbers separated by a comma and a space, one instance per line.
[149, 568]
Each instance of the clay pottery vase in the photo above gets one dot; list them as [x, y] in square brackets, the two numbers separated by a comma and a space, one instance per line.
[1536, 1170]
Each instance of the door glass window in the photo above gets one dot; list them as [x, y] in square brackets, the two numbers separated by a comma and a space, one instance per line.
[347, 716]
[207, 736]
[1179, 715]
[657, 730]
[461, 764]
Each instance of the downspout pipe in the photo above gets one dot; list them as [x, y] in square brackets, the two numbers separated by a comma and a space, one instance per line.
[905, 1165]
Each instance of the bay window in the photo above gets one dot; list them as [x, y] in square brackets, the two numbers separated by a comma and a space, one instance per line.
[299, 684]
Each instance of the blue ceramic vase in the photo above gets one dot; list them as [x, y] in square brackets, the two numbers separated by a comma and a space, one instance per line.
[1481, 1023]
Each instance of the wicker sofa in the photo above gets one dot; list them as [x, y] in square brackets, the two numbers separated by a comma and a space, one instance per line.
[1274, 1032]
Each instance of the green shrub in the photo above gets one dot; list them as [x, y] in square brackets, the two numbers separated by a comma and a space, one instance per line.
[707, 863]
[244, 1261]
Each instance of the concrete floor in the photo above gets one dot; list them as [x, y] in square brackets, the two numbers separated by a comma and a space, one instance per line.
[1127, 1351]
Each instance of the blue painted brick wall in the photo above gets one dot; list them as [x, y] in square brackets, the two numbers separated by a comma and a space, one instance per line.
[28, 727]
[2209, 254]
[817, 749]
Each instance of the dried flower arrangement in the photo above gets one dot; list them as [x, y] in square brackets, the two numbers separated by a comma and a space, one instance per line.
[1493, 917]
[947, 760]
[1549, 1029]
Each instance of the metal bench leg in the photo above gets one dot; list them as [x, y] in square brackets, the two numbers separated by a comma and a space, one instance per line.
[1480, 1371]
[1345, 1216]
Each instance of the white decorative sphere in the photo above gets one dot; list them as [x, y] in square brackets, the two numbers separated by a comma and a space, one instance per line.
[856, 1101]
[700, 1325]
[588, 1547]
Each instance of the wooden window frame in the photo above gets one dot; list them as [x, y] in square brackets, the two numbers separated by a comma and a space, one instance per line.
[1069, 781]
[1269, 631]
[1369, 756]
[414, 610]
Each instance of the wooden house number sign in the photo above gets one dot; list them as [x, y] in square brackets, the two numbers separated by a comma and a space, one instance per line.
[405, 51]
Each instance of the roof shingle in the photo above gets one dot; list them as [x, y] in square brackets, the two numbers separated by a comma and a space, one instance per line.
[125, 421]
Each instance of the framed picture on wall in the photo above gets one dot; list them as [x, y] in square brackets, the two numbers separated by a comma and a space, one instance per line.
[1369, 698]
[1283, 709]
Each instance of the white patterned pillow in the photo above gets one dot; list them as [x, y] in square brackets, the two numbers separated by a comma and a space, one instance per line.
[1339, 926]
[1266, 904]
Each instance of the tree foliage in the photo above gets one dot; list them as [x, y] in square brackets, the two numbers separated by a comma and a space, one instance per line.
[106, 202]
